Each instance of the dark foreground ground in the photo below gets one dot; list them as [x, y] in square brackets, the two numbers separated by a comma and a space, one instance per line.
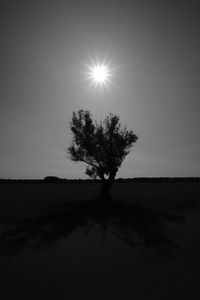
[57, 241]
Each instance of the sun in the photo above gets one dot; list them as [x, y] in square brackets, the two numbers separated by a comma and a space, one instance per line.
[99, 74]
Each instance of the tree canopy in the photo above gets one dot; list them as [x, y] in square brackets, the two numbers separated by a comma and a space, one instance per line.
[101, 145]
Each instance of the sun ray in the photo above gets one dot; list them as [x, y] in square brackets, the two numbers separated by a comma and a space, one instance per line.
[100, 74]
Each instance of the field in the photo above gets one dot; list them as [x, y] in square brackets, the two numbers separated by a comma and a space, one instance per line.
[57, 241]
[28, 198]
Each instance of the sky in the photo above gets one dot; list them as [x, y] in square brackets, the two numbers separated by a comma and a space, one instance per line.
[153, 50]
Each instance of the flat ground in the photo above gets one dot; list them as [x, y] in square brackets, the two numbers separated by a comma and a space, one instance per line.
[54, 244]
[25, 198]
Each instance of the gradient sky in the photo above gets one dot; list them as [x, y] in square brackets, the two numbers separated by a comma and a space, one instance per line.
[154, 47]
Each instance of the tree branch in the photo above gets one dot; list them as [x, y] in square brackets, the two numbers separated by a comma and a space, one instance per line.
[89, 163]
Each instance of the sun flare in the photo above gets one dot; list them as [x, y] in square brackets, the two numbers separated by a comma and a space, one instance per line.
[99, 74]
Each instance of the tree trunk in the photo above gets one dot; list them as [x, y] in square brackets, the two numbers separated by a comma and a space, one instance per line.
[105, 189]
[107, 184]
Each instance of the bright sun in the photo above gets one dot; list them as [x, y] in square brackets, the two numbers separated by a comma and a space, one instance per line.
[99, 74]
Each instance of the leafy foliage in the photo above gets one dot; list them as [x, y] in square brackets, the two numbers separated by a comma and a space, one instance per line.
[103, 146]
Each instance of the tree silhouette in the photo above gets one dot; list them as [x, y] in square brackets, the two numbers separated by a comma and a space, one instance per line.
[102, 146]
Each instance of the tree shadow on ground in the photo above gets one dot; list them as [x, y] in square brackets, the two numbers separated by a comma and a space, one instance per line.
[135, 225]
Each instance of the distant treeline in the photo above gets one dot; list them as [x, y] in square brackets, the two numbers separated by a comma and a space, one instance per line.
[54, 179]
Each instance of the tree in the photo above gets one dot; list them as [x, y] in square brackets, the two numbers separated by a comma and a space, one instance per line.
[102, 146]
